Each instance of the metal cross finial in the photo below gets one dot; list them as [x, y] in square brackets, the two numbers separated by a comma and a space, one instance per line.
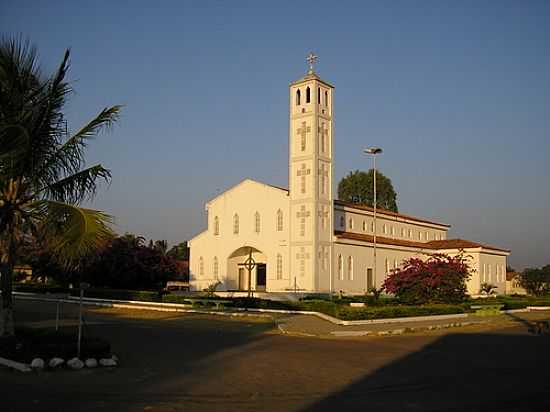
[311, 59]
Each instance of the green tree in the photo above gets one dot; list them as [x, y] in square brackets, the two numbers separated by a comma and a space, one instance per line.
[536, 281]
[179, 251]
[43, 178]
[357, 187]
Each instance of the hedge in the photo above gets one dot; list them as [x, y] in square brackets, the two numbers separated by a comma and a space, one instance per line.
[39, 288]
[397, 311]
[47, 343]
[119, 294]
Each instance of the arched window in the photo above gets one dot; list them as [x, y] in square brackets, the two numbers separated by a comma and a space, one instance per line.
[340, 268]
[279, 220]
[326, 98]
[216, 226]
[257, 222]
[235, 224]
[319, 95]
[387, 265]
[308, 95]
[298, 97]
[364, 226]
[279, 266]
[215, 267]
[201, 266]
[350, 223]
[342, 222]
[350, 268]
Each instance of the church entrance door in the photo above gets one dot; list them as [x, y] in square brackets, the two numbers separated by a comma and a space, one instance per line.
[243, 280]
[261, 276]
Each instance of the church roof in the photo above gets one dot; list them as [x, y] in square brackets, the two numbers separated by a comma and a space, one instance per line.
[311, 76]
[387, 213]
[433, 244]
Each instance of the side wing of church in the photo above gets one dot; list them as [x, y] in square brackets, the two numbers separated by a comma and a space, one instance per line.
[302, 239]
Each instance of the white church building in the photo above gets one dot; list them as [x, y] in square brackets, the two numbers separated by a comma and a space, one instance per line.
[301, 238]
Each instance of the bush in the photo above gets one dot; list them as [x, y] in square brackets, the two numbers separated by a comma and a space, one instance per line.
[120, 294]
[323, 306]
[398, 311]
[439, 279]
[170, 298]
[487, 288]
[47, 343]
[39, 288]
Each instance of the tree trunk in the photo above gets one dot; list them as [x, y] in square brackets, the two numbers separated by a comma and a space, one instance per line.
[6, 316]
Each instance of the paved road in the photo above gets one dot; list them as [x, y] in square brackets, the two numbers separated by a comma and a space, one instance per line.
[189, 363]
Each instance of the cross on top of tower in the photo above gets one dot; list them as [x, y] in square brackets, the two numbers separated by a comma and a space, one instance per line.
[311, 59]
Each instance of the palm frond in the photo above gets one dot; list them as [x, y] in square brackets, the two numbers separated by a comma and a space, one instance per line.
[14, 139]
[69, 157]
[74, 232]
[77, 187]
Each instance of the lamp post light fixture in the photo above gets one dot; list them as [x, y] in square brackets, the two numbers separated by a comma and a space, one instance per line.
[373, 151]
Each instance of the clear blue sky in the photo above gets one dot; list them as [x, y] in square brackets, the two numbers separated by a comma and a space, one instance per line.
[457, 94]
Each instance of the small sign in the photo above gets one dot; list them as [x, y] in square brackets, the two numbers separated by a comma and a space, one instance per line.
[84, 285]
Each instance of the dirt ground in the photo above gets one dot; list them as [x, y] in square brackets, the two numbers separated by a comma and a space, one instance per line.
[174, 362]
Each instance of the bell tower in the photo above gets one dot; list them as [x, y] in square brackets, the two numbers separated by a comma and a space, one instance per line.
[310, 180]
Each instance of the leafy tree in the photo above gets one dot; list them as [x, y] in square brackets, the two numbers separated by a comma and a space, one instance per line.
[358, 187]
[179, 251]
[440, 278]
[43, 178]
[127, 264]
[536, 281]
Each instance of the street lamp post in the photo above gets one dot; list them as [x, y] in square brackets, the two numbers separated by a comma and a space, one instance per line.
[373, 151]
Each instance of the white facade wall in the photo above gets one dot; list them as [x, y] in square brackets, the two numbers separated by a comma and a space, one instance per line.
[243, 200]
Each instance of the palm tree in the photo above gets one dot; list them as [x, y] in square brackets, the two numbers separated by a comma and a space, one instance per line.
[43, 176]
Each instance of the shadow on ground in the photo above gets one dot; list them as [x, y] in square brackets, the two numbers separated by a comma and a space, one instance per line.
[456, 372]
[197, 364]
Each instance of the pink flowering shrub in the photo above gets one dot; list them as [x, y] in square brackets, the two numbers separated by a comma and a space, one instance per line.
[439, 279]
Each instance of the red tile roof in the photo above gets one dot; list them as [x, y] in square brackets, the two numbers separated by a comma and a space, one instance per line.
[387, 212]
[433, 245]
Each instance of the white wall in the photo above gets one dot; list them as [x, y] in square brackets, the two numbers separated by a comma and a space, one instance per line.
[244, 199]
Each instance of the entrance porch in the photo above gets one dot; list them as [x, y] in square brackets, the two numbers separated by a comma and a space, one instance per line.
[237, 273]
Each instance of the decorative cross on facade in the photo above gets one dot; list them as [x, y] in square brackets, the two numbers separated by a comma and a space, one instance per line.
[323, 174]
[302, 215]
[302, 256]
[323, 214]
[302, 173]
[302, 132]
[311, 59]
[323, 133]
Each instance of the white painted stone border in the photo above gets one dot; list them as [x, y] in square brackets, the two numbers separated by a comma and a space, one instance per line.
[21, 367]
[178, 307]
